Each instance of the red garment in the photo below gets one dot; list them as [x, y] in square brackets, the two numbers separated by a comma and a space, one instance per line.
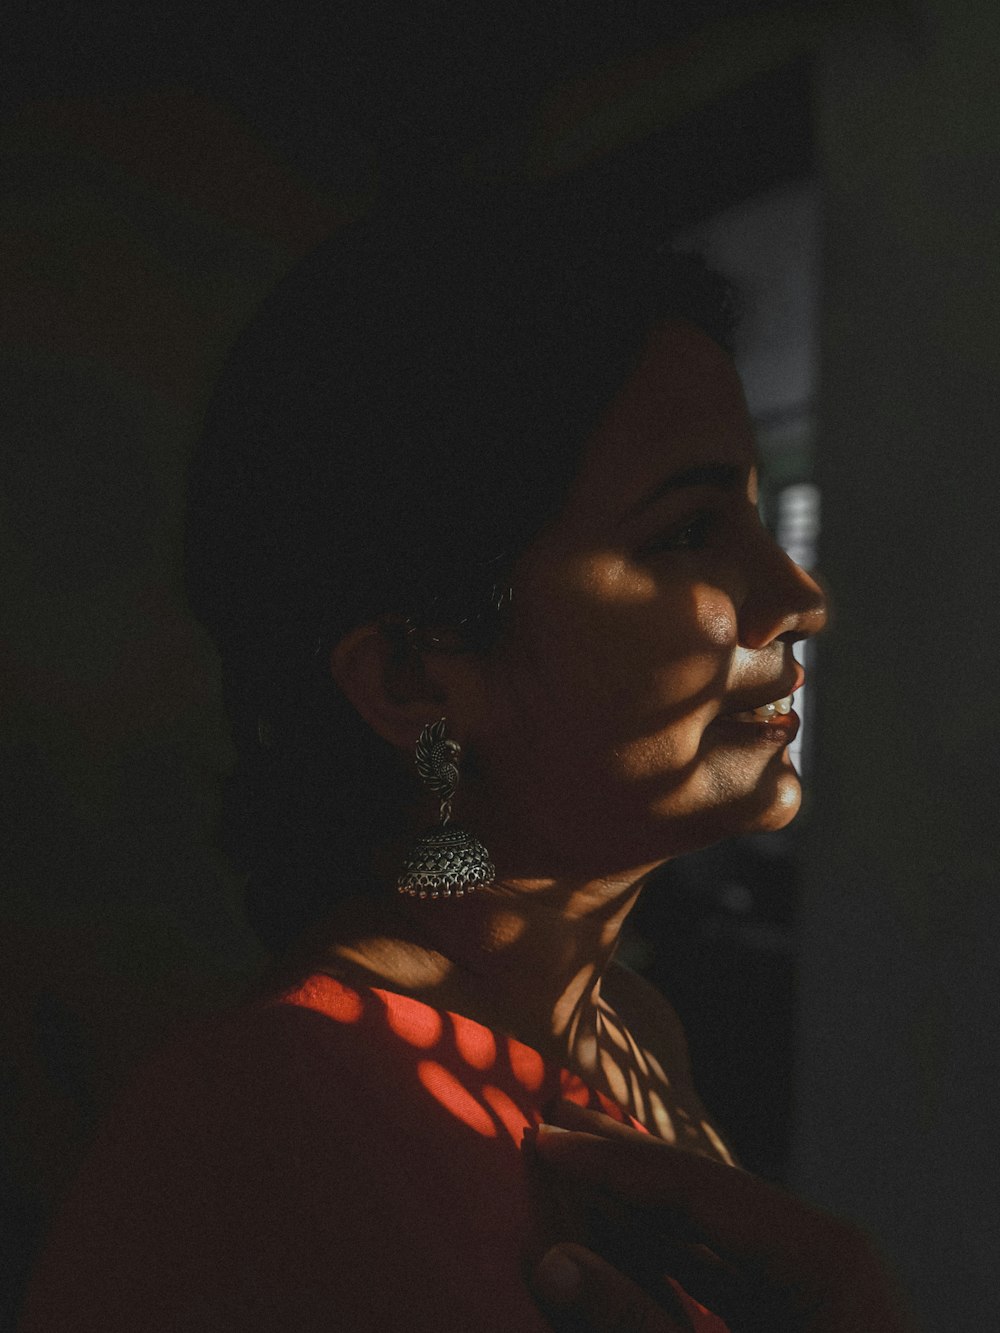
[335, 1159]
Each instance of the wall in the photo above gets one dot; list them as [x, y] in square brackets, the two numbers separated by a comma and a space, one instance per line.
[899, 1044]
[137, 235]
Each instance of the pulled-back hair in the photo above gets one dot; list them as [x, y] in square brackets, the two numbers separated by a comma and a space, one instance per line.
[404, 414]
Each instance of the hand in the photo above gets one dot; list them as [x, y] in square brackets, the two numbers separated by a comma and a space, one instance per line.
[759, 1258]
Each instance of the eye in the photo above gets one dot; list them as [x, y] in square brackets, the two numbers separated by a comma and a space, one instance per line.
[690, 537]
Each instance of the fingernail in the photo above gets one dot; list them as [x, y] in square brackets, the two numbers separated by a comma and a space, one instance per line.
[545, 1129]
[558, 1278]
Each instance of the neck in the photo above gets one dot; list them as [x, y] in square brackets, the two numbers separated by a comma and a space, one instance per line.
[526, 958]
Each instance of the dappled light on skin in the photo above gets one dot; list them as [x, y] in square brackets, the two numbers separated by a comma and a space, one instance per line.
[607, 576]
[582, 982]
[585, 1050]
[610, 1061]
[615, 1078]
[655, 606]
[445, 1088]
[675, 768]
[656, 1068]
[476, 1044]
[717, 622]
[638, 1104]
[416, 1023]
[508, 927]
[662, 1119]
[575, 998]
[687, 1132]
[610, 933]
[788, 799]
[613, 1032]
[638, 1055]
[716, 1142]
[409, 970]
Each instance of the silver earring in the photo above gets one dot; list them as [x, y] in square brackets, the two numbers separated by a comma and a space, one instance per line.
[447, 862]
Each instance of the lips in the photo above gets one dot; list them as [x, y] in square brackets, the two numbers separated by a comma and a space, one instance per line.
[750, 729]
[776, 693]
[771, 712]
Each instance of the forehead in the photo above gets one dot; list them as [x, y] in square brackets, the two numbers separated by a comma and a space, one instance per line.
[684, 405]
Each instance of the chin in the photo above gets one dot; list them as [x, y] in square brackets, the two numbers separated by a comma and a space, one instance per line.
[771, 804]
[770, 800]
[783, 809]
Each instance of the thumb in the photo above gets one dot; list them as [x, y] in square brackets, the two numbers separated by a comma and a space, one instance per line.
[573, 1283]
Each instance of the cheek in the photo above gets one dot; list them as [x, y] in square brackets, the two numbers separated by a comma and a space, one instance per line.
[717, 619]
[682, 659]
[624, 679]
[679, 674]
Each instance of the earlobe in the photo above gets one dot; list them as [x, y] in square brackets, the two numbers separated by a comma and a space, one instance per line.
[390, 691]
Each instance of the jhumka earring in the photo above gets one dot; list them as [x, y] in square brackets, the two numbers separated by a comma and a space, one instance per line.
[447, 862]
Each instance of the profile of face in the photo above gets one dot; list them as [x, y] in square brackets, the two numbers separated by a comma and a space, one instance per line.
[610, 726]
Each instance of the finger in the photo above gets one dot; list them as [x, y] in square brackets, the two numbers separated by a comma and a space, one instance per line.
[580, 1291]
[650, 1256]
[568, 1115]
[737, 1215]
[763, 1251]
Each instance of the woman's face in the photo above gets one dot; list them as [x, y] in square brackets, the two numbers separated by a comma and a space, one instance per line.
[646, 621]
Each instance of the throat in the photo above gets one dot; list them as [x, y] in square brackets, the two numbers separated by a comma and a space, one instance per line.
[614, 1062]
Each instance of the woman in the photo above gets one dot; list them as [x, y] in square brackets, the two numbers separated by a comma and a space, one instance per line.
[474, 527]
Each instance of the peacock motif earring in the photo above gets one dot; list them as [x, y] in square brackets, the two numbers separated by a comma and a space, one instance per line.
[447, 862]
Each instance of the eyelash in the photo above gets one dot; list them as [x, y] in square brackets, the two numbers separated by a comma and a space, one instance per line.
[691, 537]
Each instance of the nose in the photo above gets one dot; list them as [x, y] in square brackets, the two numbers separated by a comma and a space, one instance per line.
[783, 602]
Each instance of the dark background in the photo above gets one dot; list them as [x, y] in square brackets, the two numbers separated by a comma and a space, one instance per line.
[161, 171]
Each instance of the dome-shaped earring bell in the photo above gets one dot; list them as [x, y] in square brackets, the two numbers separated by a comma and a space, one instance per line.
[447, 862]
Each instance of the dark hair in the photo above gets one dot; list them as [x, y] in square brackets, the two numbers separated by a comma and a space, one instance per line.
[401, 418]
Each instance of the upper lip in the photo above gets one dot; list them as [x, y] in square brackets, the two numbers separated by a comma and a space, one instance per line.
[769, 694]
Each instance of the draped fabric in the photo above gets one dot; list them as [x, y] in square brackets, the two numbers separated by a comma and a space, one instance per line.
[333, 1158]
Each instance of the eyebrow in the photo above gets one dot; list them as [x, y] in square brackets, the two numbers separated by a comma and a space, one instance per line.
[724, 476]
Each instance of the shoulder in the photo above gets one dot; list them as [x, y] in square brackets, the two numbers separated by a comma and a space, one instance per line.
[225, 1114]
[274, 1167]
[254, 1058]
[202, 1162]
[232, 1117]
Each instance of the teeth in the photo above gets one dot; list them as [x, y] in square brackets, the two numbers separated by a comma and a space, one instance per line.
[781, 706]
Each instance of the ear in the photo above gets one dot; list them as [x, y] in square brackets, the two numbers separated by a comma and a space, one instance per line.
[398, 692]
